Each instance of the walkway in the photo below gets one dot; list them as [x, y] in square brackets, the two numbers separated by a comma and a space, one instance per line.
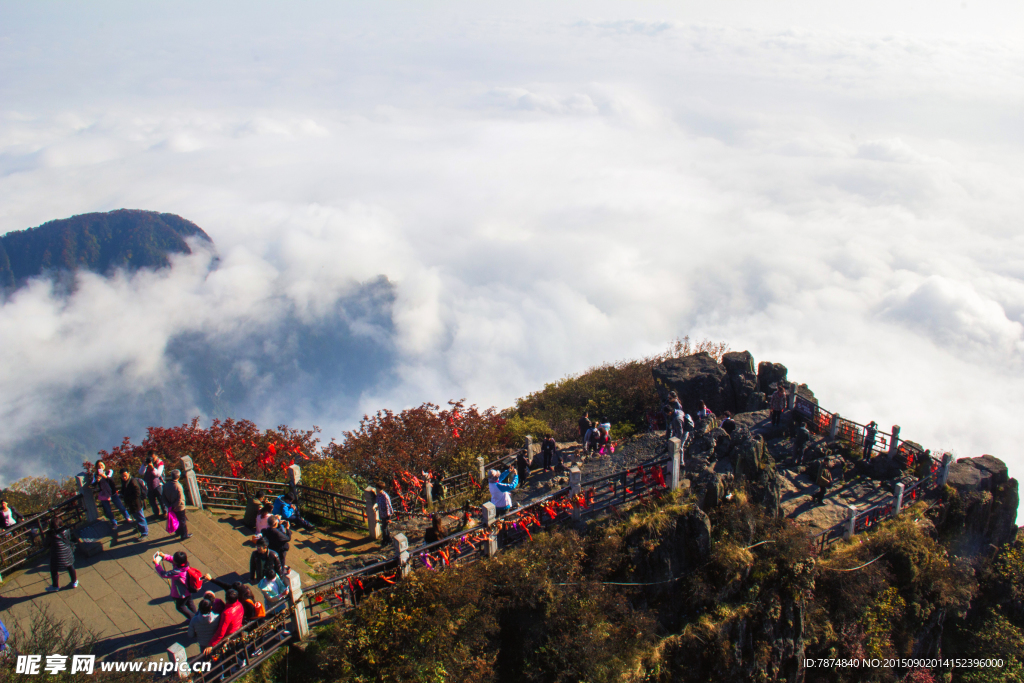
[128, 606]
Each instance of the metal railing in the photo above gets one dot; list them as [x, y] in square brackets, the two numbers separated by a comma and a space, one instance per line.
[245, 649]
[27, 539]
[234, 493]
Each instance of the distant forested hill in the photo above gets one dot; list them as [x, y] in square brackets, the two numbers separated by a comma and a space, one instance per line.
[100, 242]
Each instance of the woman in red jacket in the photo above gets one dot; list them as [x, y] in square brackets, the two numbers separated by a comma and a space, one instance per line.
[230, 620]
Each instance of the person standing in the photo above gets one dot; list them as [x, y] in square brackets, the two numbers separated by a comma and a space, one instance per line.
[203, 625]
[178, 574]
[523, 465]
[152, 472]
[133, 493]
[800, 442]
[174, 495]
[584, 426]
[278, 534]
[869, 438]
[777, 405]
[548, 450]
[62, 554]
[264, 563]
[229, 622]
[501, 486]
[823, 480]
[384, 513]
[107, 489]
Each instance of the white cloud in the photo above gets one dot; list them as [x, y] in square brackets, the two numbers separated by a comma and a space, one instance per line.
[545, 192]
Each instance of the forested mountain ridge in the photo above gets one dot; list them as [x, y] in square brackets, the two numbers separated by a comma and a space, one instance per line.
[99, 242]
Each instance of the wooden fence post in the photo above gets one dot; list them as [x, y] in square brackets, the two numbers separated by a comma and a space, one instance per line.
[88, 497]
[401, 545]
[676, 447]
[852, 528]
[899, 499]
[894, 443]
[191, 484]
[176, 654]
[300, 623]
[372, 521]
[947, 460]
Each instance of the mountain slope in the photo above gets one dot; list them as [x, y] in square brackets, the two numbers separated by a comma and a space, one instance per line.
[100, 242]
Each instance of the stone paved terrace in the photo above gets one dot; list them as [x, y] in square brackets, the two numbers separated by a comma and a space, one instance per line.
[128, 605]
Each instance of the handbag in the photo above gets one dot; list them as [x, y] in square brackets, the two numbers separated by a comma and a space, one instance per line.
[172, 522]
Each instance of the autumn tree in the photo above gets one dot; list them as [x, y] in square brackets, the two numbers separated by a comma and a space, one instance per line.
[387, 445]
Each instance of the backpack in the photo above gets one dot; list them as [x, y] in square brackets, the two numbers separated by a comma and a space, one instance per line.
[259, 610]
[193, 580]
[824, 476]
[688, 424]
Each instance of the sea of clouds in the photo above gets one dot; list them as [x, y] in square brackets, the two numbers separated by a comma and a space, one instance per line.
[542, 191]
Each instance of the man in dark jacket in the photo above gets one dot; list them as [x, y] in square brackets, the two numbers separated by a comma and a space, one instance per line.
[252, 508]
[278, 535]
[584, 425]
[264, 563]
[174, 495]
[800, 442]
[133, 493]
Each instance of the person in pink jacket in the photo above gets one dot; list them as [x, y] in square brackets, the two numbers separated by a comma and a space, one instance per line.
[230, 620]
[178, 574]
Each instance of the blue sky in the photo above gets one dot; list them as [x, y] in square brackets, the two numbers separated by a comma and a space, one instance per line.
[546, 189]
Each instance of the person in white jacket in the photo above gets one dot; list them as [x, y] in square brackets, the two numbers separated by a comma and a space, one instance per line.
[501, 486]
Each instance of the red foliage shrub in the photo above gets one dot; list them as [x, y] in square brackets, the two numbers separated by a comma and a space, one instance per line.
[227, 448]
[389, 444]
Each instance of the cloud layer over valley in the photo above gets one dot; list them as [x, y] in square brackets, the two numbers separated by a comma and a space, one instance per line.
[541, 192]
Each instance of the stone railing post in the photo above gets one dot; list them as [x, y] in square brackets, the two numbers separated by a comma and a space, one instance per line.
[294, 475]
[899, 499]
[851, 529]
[833, 429]
[191, 484]
[428, 489]
[676, 448]
[373, 529]
[894, 443]
[88, 497]
[300, 623]
[176, 654]
[791, 399]
[575, 486]
[481, 475]
[488, 518]
[401, 545]
[947, 460]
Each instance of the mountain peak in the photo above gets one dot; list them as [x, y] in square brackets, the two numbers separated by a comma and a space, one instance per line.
[127, 239]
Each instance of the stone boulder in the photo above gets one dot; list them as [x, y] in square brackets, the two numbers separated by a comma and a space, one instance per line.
[986, 499]
[739, 367]
[730, 385]
[695, 378]
[769, 375]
